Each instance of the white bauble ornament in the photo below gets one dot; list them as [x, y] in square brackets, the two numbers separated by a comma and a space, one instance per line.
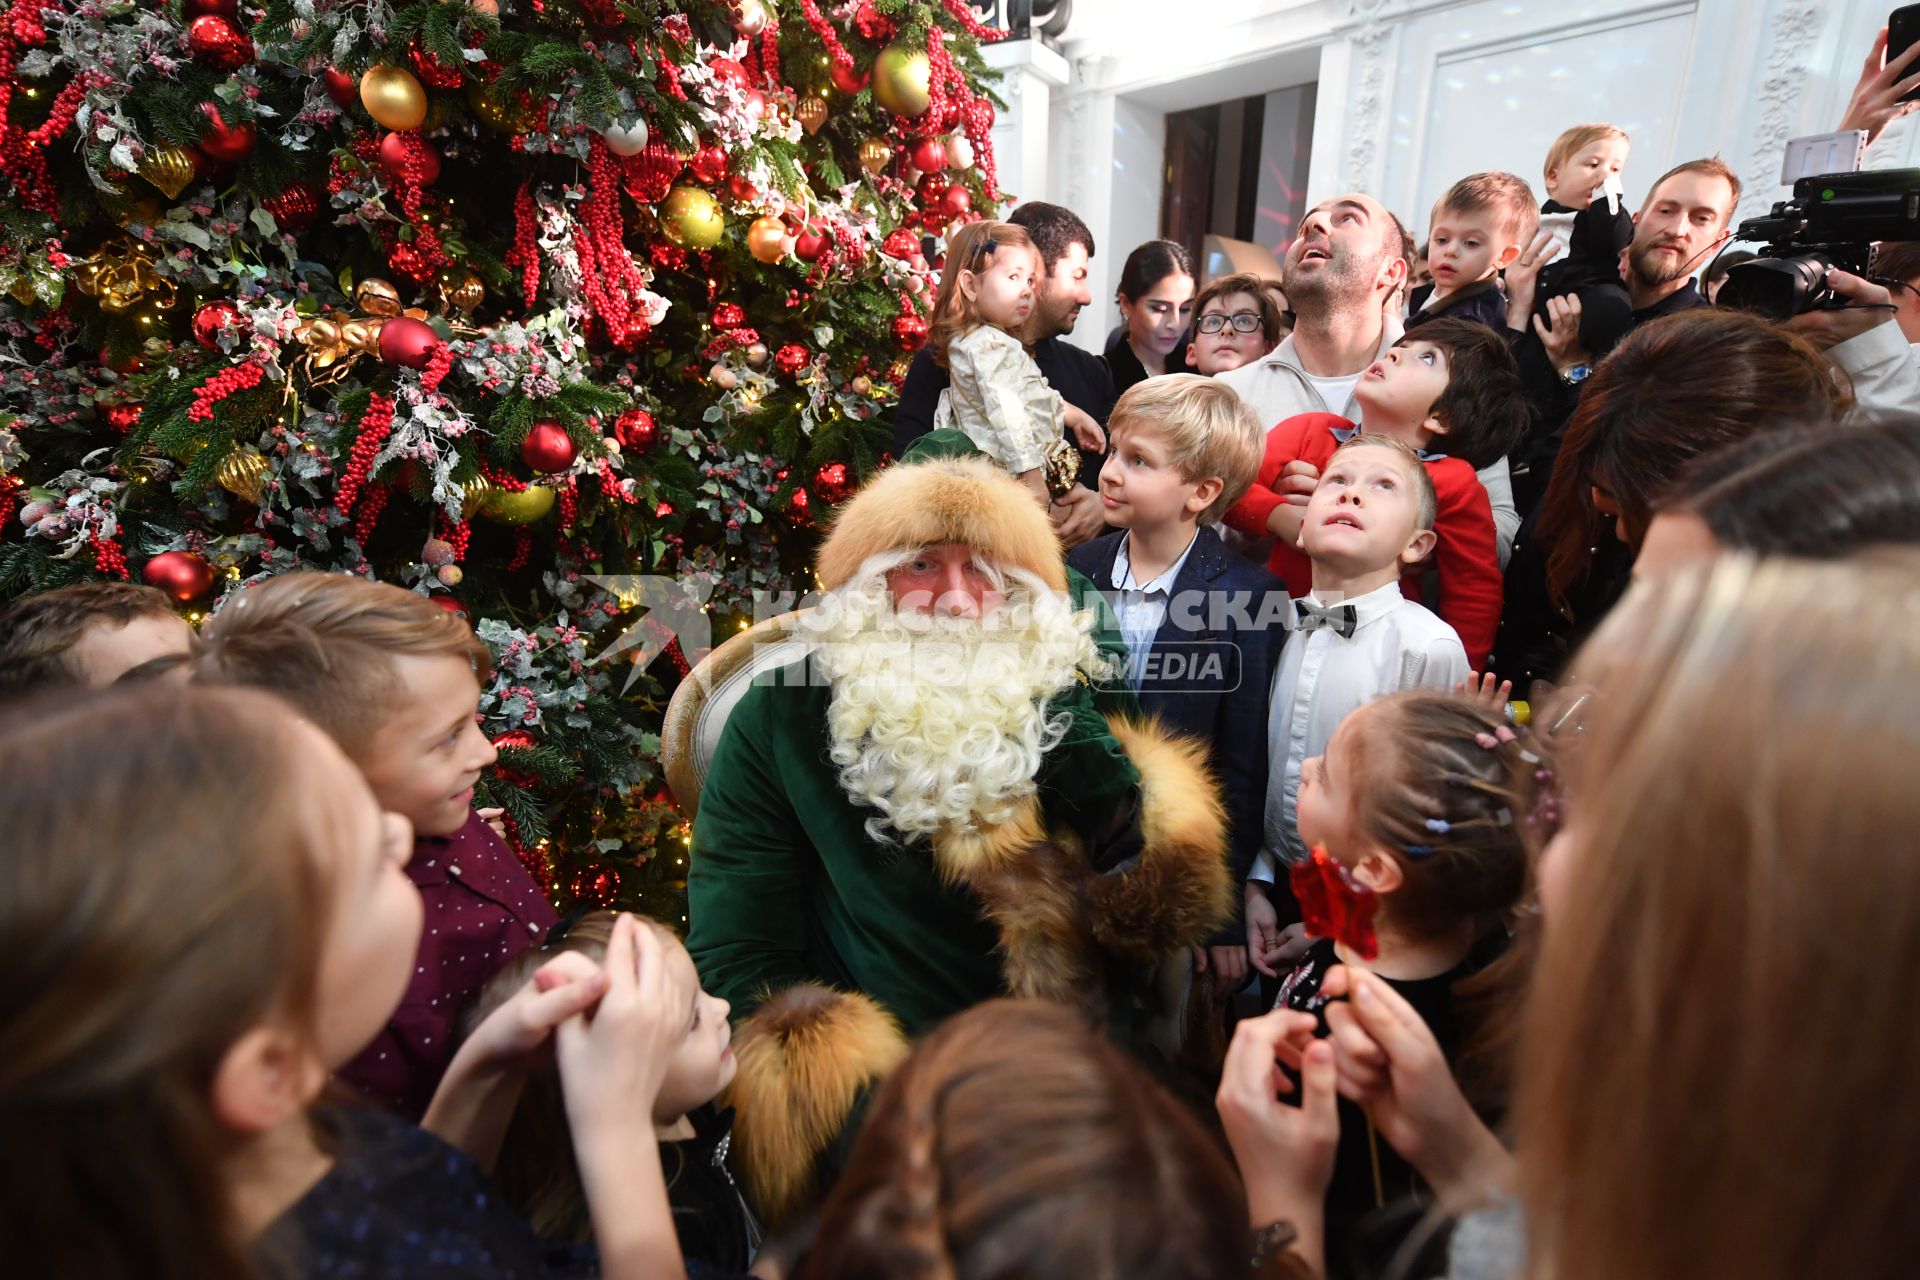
[627, 141]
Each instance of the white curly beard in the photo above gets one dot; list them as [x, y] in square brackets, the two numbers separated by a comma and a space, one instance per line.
[940, 722]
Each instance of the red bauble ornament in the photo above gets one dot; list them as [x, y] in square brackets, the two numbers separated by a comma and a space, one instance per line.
[295, 208]
[846, 79]
[730, 71]
[741, 188]
[798, 504]
[635, 429]
[340, 87]
[709, 163]
[548, 448]
[210, 319]
[756, 105]
[431, 70]
[406, 341]
[397, 151]
[900, 243]
[227, 144]
[210, 8]
[452, 605]
[832, 483]
[929, 155]
[650, 175]
[408, 262]
[956, 202]
[181, 574]
[123, 417]
[909, 330]
[512, 740]
[791, 358]
[811, 245]
[931, 187]
[596, 884]
[218, 43]
[729, 315]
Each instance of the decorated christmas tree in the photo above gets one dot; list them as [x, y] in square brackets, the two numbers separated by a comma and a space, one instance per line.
[514, 302]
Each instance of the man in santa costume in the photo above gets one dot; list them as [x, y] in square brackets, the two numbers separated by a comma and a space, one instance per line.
[951, 798]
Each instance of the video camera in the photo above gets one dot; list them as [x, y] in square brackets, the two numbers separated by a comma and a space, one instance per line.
[1832, 221]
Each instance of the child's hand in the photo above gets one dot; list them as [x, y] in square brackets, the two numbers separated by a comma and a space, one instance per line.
[1086, 431]
[1876, 97]
[1285, 1153]
[1263, 928]
[562, 988]
[495, 818]
[1293, 942]
[612, 1065]
[1480, 687]
[1387, 1060]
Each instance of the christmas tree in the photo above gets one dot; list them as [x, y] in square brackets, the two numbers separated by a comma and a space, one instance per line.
[509, 301]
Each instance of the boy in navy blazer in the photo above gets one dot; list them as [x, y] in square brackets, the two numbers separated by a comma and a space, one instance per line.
[1203, 625]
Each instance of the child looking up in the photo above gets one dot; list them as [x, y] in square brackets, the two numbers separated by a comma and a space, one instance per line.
[396, 681]
[1235, 322]
[536, 1169]
[1478, 227]
[997, 395]
[1419, 799]
[202, 911]
[1357, 638]
[1451, 392]
[1202, 626]
[87, 635]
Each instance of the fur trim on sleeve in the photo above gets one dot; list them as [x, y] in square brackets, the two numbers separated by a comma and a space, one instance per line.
[805, 1057]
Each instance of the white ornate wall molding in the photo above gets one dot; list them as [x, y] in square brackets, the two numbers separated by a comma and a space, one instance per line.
[1794, 30]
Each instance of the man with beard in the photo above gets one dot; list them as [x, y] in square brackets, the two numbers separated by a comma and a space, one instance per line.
[1351, 256]
[1080, 377]
[942, 803]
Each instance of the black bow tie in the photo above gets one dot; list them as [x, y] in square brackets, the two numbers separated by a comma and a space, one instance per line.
[1343, 618]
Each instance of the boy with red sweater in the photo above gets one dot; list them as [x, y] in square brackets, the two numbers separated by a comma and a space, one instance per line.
[1452, 392]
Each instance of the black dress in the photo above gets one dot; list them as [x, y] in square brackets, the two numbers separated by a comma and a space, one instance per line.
[1124, 365]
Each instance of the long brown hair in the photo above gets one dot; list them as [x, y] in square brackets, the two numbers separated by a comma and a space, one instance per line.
[155, 904]
[1719, 1048]
[971, 249]
[1672, 390]
[1015, 1142]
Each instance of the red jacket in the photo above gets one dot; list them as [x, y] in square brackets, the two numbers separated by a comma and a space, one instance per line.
[1465, 556]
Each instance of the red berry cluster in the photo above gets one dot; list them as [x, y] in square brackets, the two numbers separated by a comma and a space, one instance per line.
[569, 501]
[237, 377]
[456, 535]
[525, 253]
[370, 512]
[23, 152]
[439, 364]
[108, 557]
[522, 550]
[375, 426]
[610, 483]
[962, 13]
[828, 36]
[610, 278]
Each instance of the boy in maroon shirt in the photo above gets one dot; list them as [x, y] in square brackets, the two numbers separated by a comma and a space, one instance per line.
[396, 681]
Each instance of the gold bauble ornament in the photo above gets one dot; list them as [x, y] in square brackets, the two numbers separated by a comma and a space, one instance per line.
[491, 111]
[903, 80]
[875, 155]
[393, 98]
[524, 507]
[362, 334]
[811, 113]
[169, 169]
[766, 239]
[460, 290]
[377, 297]
[243, 473]
[473, 496]
[691, 218]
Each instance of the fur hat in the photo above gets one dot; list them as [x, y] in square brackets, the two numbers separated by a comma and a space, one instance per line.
[945, 499]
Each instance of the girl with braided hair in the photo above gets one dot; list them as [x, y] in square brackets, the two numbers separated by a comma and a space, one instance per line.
[1421, 800]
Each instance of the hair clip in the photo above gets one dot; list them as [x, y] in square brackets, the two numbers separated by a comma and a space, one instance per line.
[1417, 850]
[1504, 817]
[1439, 826]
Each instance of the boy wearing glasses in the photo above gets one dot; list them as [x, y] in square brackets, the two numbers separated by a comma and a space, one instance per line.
[1235, 322]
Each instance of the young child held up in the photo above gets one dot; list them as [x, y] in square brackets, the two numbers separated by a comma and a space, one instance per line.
[536, 1169]
[1202, 626]
[1452, 392]
[1418, 803]
[998, 395]
[87, 636]
[1356, 638]
[1235, 322]
[396, 681]
[1479, 226]
[203, 911]
[1587, 219]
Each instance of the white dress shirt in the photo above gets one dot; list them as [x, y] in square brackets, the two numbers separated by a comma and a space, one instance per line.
[1142, 606]
[1396, 645]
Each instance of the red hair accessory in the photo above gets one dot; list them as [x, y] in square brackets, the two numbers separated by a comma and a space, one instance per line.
[1335, 905]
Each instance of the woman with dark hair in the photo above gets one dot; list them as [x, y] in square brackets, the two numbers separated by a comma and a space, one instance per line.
[1156, 300]
[1806, 492]
[1675, 388]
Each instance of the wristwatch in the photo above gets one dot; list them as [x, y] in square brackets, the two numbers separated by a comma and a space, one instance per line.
[1576, 374]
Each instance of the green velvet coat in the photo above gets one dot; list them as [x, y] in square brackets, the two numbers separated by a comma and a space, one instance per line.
[784, 885]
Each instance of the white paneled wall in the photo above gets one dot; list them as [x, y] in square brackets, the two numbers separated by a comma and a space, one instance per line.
[1415, 93]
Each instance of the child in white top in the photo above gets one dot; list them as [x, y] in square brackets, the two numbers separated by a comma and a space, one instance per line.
[997, 395]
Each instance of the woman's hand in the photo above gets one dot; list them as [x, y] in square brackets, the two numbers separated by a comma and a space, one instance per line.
[1285, 1152]
[1876, 97]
